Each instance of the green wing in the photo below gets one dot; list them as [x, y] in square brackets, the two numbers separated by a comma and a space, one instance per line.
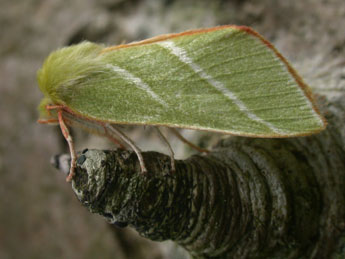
[226, 79]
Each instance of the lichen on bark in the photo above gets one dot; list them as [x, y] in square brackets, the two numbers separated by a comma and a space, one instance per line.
[248, 198]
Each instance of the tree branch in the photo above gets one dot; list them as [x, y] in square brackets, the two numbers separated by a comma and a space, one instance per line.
[248, 198]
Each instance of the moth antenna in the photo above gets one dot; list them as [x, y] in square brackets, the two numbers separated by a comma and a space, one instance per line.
[88, 125]
[68, 137]
[186, 141]
[171, 151]
[114, 129]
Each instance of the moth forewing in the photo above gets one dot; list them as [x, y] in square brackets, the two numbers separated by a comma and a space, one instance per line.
[226, 79]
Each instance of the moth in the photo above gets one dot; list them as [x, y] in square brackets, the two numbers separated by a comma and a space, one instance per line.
[226, 79]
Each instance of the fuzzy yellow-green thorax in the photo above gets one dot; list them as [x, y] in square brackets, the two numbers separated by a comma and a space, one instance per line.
[63, 69]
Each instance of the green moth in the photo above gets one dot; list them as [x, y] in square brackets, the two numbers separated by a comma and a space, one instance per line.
[226, 79]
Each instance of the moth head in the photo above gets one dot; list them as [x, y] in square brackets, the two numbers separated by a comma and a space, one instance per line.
[65, 69]
[67, 64]
[45, 115]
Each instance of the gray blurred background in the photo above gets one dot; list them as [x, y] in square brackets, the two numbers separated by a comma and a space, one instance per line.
[39, 215]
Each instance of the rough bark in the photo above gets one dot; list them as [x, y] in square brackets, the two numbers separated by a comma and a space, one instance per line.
[248, 198]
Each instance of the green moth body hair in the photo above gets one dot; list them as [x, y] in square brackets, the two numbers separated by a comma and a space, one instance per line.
[66, 67]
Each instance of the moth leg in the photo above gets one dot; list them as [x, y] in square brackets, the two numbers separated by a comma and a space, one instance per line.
[171, 151]
[180, 137]
[118, 132]
[117, 142]
[114, 139]
[69, 140]
[50, 107]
